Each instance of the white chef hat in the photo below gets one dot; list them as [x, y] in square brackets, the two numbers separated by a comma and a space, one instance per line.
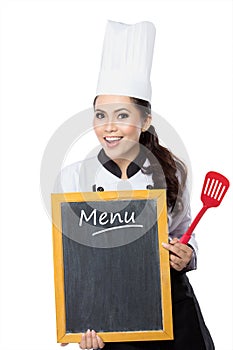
[126, 60]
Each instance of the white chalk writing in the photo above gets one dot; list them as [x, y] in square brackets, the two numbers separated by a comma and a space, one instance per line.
[105, 217]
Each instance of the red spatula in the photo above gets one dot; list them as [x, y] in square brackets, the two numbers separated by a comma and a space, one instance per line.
[214, 189]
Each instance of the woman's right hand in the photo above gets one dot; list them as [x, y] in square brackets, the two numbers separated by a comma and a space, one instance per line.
[90, 340]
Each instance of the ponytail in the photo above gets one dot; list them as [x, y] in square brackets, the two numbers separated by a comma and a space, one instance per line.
[169, 164]
[160, 157]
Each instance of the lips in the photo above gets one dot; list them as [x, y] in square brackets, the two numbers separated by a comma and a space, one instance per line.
[112, 141]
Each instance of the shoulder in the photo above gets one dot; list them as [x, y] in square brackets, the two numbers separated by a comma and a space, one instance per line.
[181, 171]
[69, 177]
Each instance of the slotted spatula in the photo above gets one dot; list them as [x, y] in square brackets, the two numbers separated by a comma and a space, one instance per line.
[214, 188]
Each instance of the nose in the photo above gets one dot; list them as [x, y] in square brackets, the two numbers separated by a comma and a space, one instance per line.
[110, 126]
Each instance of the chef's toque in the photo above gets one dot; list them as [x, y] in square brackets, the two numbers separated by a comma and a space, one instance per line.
[126, 60]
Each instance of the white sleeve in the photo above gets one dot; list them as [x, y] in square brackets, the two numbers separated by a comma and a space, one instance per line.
[178, 224]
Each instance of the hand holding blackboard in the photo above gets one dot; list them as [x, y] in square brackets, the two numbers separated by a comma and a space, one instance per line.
[89, 340]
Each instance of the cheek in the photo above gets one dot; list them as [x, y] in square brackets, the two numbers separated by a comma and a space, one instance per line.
[98, 133]
[132, 131]
[98, 129]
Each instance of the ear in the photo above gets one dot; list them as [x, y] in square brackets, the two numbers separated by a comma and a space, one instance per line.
[146, 123]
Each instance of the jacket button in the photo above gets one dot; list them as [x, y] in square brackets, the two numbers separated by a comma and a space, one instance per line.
[100, 189]
[149, 187]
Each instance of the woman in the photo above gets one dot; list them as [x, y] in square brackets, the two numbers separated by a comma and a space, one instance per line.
[131, 153]
[132, 158]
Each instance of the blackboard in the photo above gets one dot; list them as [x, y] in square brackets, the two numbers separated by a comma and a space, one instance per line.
[111, 274]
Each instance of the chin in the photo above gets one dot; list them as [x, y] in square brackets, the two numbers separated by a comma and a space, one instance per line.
[113, 154]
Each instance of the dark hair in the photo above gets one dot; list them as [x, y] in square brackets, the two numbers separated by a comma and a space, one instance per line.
[160, 157]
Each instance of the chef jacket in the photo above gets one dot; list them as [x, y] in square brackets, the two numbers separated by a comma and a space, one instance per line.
[100, 173]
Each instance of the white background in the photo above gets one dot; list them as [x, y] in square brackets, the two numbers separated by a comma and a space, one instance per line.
[50, 56]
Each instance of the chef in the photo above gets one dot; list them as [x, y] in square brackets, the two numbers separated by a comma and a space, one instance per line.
[131, 158]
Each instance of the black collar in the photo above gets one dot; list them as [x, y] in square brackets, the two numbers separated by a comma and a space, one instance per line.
[111, 166]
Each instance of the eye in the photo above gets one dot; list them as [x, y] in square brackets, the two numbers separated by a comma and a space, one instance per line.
[123, 116]
[99, 115]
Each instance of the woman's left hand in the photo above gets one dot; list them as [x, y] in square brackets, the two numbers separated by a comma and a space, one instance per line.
[180, 254]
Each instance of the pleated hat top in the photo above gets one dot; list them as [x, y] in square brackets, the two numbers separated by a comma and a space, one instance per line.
[126, 60]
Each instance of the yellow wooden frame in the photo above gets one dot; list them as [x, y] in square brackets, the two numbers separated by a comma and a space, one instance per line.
[160, 196]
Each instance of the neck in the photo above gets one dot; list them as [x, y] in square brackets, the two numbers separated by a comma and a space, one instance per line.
[129, 169]
[123, 163]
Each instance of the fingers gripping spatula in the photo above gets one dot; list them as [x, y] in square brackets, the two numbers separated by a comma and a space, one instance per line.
[214, 188]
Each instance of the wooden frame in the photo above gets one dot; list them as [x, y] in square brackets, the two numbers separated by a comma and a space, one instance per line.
[166, 331]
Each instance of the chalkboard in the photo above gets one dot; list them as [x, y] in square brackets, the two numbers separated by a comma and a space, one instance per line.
[111, 273]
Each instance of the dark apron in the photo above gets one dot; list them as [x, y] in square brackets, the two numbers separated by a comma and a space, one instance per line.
[190, 331]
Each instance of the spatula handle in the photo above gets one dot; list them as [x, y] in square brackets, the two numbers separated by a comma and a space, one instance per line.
[187, 235]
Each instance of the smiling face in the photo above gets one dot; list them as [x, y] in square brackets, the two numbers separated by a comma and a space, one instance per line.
[118, 125]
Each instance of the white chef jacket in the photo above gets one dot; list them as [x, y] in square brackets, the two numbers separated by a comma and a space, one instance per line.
[100, 173]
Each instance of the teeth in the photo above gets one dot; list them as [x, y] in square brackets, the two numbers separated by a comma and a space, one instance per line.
[111, 139]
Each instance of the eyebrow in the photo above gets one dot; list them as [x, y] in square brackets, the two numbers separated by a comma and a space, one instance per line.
[99, 110]
[122, 109]
[117, 110]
